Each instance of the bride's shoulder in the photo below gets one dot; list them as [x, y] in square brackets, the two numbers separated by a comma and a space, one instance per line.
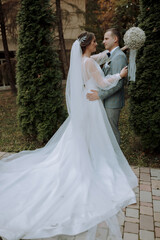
[89, 62]
[91, 65]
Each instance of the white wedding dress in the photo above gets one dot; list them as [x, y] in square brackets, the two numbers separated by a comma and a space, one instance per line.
[79, 179]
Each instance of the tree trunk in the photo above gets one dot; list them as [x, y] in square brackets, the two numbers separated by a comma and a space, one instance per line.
[61, 38]
[6, 51]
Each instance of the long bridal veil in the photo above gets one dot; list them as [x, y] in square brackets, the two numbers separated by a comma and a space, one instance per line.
[75, 90]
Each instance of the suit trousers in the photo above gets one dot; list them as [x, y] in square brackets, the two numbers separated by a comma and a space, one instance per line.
[113, 117]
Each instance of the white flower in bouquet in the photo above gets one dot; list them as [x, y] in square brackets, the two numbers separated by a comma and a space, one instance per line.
[134, 38]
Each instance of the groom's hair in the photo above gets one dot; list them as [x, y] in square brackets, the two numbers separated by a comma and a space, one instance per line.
[115, 32]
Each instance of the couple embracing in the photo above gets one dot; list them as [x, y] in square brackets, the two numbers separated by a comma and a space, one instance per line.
[81, 177]
[113, 98]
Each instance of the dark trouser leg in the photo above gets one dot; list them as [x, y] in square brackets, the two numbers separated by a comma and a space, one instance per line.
[113, 117]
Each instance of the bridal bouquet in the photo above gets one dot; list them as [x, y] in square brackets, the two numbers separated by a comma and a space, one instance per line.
[134, 39]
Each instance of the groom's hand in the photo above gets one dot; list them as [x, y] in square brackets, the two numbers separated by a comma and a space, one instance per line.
[93, 96]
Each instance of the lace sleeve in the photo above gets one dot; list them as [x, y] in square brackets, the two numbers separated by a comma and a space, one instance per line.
[95, 72]
[100, 58]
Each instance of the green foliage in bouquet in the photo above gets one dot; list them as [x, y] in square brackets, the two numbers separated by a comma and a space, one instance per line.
[145, 92]
[38, 72]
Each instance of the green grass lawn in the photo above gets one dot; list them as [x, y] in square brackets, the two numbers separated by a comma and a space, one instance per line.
[12, 140]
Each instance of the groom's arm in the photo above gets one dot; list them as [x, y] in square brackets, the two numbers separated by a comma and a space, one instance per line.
[119, 62]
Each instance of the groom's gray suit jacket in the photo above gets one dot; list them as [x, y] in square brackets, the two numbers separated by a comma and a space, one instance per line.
[114, 97]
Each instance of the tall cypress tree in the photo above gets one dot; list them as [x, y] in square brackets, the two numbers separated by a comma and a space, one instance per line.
[38, 71]
[145, 93]
[92, 22]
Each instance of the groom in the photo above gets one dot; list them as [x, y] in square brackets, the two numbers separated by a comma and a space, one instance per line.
[113, 98]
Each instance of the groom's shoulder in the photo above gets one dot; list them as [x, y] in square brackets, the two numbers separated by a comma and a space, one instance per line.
[121, 53]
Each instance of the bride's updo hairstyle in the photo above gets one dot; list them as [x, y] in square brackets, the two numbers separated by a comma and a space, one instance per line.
[85, 40]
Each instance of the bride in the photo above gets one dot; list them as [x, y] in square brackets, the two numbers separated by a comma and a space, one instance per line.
[81, 177]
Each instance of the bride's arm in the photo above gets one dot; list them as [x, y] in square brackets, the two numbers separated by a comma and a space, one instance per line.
[97, 74]
[100, 58]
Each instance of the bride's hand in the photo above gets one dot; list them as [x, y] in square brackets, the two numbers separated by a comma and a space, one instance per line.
[124, 72]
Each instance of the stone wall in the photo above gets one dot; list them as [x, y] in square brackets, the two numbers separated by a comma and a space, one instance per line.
[71, 22]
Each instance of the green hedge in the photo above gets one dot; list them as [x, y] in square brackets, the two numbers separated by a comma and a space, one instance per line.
[38, 71]
[145, 93]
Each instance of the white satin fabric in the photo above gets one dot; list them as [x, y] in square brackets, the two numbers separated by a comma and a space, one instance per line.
[68, 186]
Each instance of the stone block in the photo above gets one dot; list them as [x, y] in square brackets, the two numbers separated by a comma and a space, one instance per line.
[144, 170]
[144, 187]
[121, 217]
[155, 184]
[157, 231]
[146, 223]
[156, 217]
[145, 177]
[146, 235]
[145, 196]
[130, 236]
[132, 213]
[155, 198]
[155, 174]
[157, 224]
[146, 204]
[156, 192]
[131, 227]
[146, 183]
[146, 210]
[156, 205]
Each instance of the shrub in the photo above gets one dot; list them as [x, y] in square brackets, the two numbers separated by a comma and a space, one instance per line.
[38, 71]
[145, 92]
